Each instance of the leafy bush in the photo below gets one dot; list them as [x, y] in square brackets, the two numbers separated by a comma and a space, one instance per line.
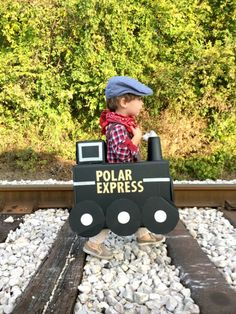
[204, 167]
[56, 56]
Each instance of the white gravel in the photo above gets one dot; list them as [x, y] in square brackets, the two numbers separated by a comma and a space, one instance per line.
[144, 281]
[23, 251]
[135, 281]
[38, 182]
[52, 181]
[216, 236]
[207, 181]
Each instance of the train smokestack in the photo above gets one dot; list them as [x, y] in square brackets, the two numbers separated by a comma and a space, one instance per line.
[154, 147]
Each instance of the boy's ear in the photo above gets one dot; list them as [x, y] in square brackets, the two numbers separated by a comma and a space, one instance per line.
[123, 102]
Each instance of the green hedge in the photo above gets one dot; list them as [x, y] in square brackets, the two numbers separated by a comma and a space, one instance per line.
[56, 56]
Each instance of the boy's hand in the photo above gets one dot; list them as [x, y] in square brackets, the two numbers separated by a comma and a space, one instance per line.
[137, 131]
[137, 135]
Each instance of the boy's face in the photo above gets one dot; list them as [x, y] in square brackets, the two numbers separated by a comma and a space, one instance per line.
[133, 107]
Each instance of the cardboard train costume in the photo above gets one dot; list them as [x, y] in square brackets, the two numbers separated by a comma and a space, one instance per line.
[121, 196]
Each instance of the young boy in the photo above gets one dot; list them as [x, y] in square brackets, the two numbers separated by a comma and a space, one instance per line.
[124, 102]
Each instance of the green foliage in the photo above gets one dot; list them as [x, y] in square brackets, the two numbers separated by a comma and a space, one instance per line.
[26, 159]
[56, 56]
[212, 167]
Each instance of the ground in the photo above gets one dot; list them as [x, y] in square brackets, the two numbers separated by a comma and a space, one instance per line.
[42, 168]
[28, 165]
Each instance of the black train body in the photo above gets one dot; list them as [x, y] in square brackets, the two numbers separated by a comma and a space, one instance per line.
[122, 196]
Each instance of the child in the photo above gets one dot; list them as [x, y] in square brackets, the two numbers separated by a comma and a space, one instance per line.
[124, 102]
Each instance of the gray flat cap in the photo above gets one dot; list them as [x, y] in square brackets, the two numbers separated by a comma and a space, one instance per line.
[120, 85]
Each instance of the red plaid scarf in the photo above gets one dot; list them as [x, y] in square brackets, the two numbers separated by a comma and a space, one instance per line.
[108, 116]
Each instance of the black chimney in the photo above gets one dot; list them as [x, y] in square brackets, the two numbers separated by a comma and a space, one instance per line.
[154, 148]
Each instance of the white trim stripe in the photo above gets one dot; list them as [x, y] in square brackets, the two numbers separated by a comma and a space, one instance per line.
[81, 183]
[156, 179]
[84, 183]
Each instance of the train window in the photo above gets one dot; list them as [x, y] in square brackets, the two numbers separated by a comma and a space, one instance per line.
[90, 151]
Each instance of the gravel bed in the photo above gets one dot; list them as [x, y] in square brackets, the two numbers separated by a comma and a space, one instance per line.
[135, 281]
[37, 182]
[52, 181]
[23, 251]
[208, 181]
[216, 236]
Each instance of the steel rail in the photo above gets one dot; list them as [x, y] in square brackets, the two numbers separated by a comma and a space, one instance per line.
[27, 198]
[204, 195]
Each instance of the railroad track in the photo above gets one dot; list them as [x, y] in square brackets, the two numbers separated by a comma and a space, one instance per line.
[27, 198]
[54, 287]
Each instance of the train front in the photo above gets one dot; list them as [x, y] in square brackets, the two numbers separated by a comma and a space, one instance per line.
[124, 196]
